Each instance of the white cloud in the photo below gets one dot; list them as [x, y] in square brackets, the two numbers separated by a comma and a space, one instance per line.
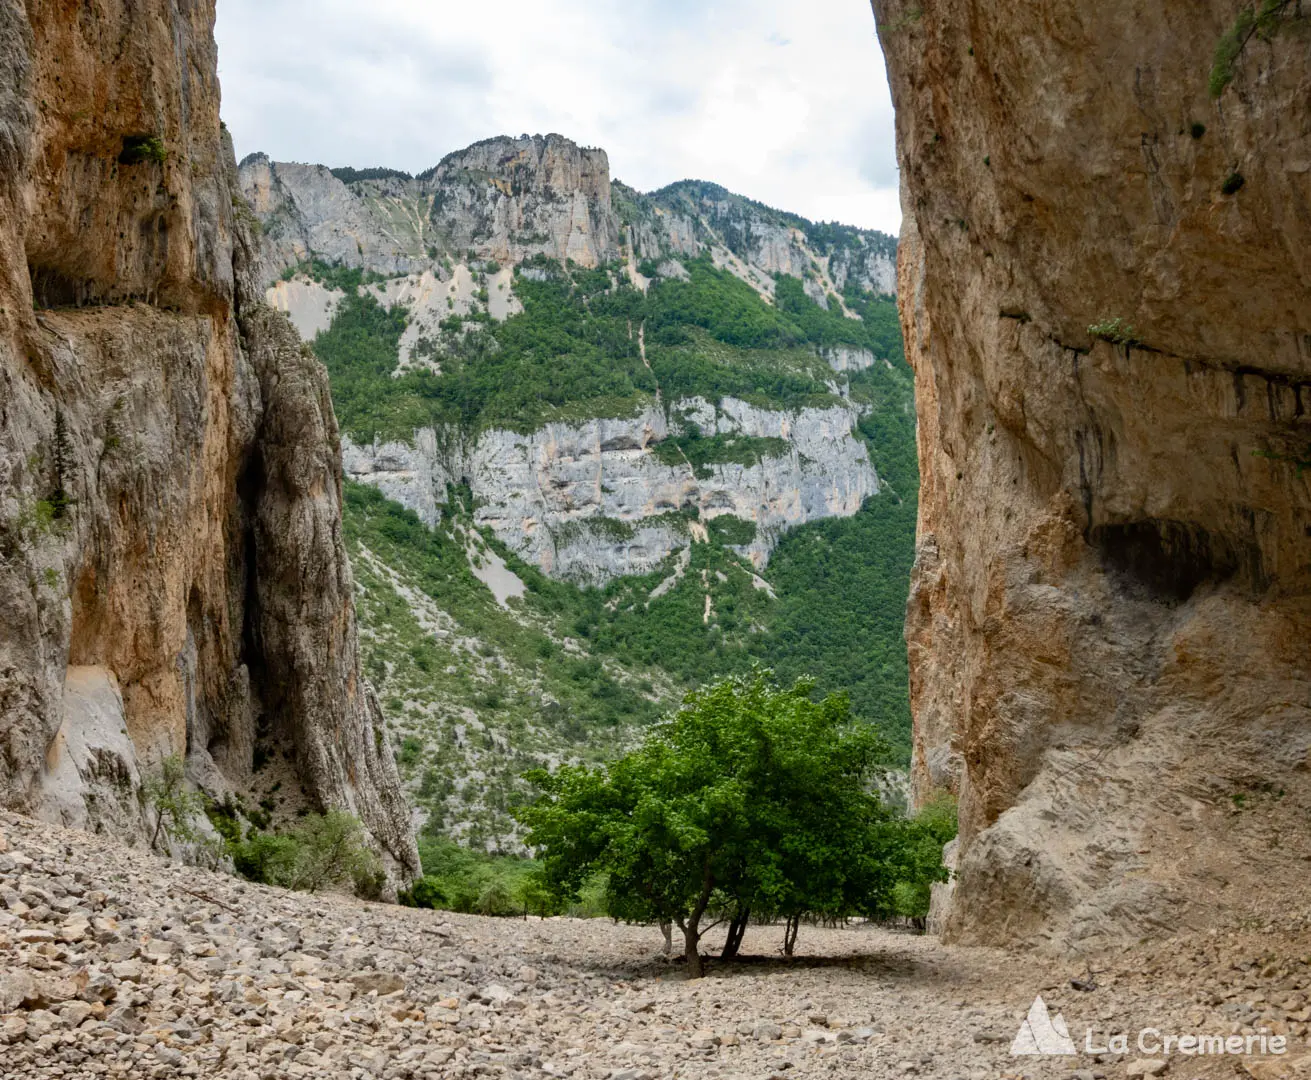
[784, 102]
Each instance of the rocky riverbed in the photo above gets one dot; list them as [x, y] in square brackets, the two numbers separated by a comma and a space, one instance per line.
[114, 962]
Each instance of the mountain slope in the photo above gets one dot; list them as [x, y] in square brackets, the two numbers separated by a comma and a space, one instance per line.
[634, 451]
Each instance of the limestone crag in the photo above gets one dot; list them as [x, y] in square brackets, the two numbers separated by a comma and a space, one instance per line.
[592, 501]
[508, 200]
[826, 257]
[306, 212]
[1106, 292]
[503, 199]
[172, 576]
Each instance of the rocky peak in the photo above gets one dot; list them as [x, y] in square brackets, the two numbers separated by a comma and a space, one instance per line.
[826, 256]
[509, 199]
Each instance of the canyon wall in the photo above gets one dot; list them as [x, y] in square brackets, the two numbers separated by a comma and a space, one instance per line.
[172, 575]
[1105, 277]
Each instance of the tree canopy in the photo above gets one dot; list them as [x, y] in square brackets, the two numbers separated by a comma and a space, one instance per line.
[751, 798]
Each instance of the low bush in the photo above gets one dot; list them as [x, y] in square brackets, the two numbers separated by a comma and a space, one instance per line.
[320, 851]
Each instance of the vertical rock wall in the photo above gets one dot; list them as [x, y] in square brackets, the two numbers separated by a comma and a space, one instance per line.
[1105, 281]
[172, 578]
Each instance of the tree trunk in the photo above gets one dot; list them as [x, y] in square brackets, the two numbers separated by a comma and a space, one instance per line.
[737, 928]
[790, 934]
[691, 943]
[691, 926]
[667, 928]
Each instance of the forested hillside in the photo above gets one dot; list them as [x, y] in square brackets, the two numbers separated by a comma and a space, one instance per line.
[727, 462]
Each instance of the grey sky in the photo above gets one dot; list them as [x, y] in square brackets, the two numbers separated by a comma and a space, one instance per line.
[785, 102]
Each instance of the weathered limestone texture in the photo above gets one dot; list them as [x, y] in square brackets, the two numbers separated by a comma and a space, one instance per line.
[1110, 623]
[172, 577]
[592, 501]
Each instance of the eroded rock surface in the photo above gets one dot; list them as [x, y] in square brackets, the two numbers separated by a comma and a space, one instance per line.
[509, 200]
[592, 501]
[172, 577]
[1106, 291]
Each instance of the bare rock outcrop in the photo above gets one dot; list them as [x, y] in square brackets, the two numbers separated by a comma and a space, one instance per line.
[507, 199]
[504, 199]
[510, 200]
[172, 577]
[592, 501]
[1106, 291]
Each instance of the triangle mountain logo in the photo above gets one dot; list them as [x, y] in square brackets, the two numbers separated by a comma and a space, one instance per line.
[1042, 1033]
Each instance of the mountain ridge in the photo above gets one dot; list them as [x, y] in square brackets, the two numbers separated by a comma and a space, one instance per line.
[380, 181]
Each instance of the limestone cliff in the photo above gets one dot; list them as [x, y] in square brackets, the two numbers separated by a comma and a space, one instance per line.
[746, 236]
[1106, 292]
[172, 576]
[592, 501]
[508, 200]
[503, 199]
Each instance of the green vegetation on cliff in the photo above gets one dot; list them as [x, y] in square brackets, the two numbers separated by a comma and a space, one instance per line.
[477, 692]
[574, 351]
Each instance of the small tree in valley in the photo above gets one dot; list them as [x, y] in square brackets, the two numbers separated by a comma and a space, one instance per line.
[176, 806]
[750, 798]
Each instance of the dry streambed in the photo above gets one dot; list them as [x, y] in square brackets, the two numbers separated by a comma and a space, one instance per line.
[116, 963]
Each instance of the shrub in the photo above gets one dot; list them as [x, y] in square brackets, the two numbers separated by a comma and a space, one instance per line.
[322, 850]
[424, 893]
[411, 750]
[175, 805]
[1117, 331]
[1264, 20]
[264, 857]
[138, 149]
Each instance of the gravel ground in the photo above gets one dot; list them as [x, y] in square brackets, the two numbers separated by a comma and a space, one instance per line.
[115, 963]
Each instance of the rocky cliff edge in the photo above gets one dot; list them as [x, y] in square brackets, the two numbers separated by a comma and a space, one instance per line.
[172, 577]
[1106, 291]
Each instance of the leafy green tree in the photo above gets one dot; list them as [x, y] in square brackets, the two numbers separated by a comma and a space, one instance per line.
[321, 850]
[176, 806]
[751, 797]
[932, 827]
[332, 850]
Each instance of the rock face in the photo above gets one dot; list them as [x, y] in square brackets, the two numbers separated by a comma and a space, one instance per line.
[1111, 609]
[692, 213]
[593, 501]
[172, 577]
[508, 200]
[503, 199]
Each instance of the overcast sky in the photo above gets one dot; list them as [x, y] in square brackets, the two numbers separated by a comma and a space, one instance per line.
[785, 102]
